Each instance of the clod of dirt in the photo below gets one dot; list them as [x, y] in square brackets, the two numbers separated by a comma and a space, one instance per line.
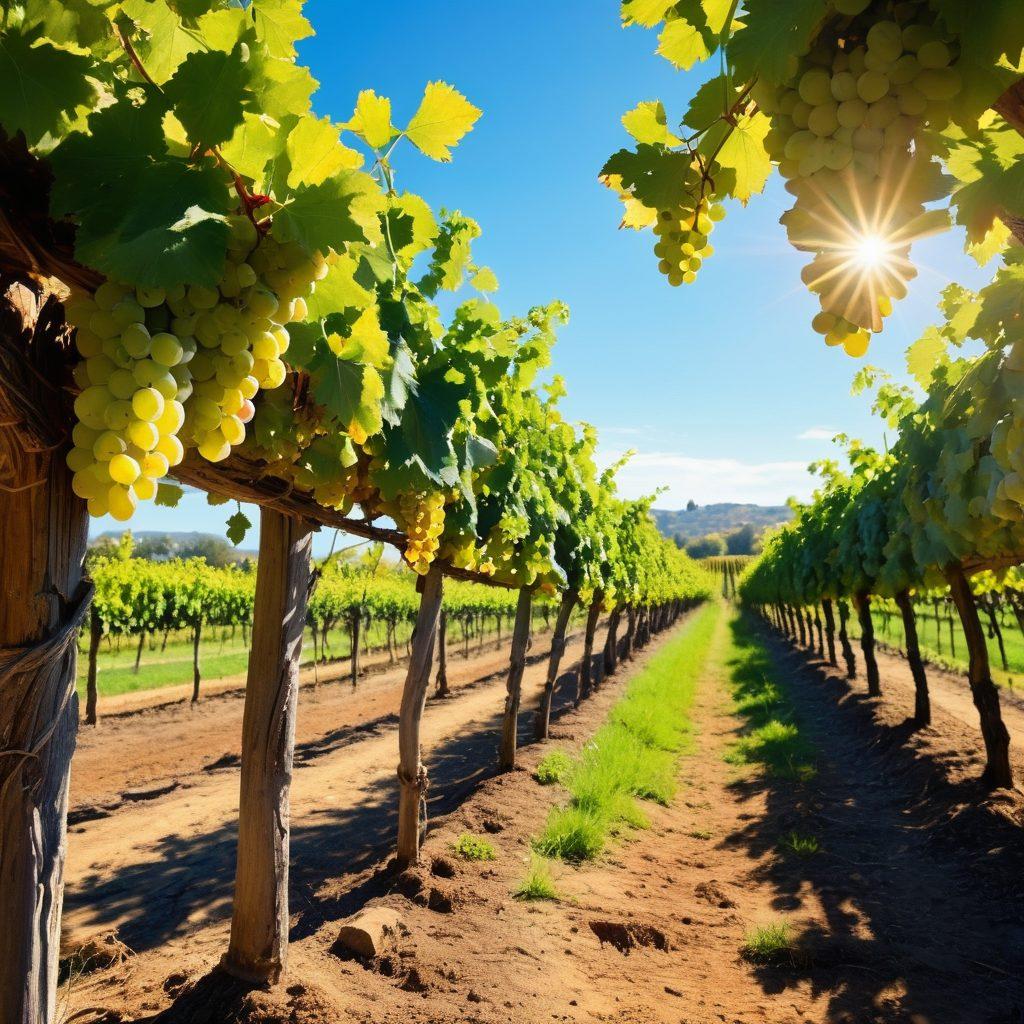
[442, 867]
[91, 812]
[625, 936]
[441, 901]
[414, 982]
[409, 884]
[474, 996]
[95, 954]
[714, 894]
[370, 932]
[492, 826]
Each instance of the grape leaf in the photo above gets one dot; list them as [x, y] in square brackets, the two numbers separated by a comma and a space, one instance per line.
[774, 29]
[647, 122]
[646, 13]
[40, 85]
[281, 88]
[711, 102]
[256, 141]
[683, 44]
[924, 355]
[315, 152]
[743, 152]
[168, 495]
[656, 177]
[165, 41]
[280, 24]
[372, 120]
[485, 280]
[349, 391]
[411, 226]
[169, 228]
[210, 93]
[122, 140]
[452, 254]
[338, 291]
[995, 240]
[443, 118]
[238, 526]
[326, 216]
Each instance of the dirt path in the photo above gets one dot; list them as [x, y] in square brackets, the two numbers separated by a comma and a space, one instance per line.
[901, 917]
[156, 859]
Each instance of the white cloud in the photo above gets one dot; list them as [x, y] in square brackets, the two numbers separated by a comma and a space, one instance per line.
[708, 481]
[817, 434]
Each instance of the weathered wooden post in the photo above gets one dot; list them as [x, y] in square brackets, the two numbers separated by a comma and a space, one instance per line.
[543, 719]
[514, 683]
[412, 775]
[258, 949]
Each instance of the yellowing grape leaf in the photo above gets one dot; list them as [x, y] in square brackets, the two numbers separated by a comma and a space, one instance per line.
[924, 355]
[994, 242]
[341, 209]
[646, 13]
[683, 44]
[255, 141]
[315, 152]
[647, 122]
[372, 120]
[443, 118]
[743, 152]
[280, 24]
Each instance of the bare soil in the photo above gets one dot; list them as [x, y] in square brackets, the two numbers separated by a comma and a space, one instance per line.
[911, 913]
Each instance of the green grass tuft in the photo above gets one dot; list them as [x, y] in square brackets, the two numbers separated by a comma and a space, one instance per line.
[473, 848]
[635, 755]
[802, 846]
[555, 767]
[700, 833]
[770, 944]
[538, 883]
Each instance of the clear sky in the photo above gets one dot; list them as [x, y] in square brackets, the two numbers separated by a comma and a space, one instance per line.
[720, 386]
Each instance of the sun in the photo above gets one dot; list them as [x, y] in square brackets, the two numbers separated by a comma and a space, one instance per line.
[870, 251]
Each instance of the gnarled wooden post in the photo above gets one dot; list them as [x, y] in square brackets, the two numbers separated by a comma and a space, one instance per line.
[867, 642]
[514, 682]
[442, 655]
[585, 683]
[91, 692]
[627, 652]
[542, 721]
[258, 949]
[354, 628]
[997, 774]
[830, 629]
[844, 640]
[922, 703]
[197, 633]
[821, 636]
[801, 628]
[412, 776]
[45, 599]
[611, 644]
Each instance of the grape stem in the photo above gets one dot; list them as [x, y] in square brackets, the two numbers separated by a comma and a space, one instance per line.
[133, 56]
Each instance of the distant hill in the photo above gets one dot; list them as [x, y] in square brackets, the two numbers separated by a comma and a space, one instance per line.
[721, 518]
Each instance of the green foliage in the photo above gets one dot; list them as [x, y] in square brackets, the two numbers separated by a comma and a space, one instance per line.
[800, 845]
[769, 944]
[538, 883]
[474, 848]
[554, 767]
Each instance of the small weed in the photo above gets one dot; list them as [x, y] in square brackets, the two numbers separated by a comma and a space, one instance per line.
[770, 944]
[473, 848]
[553, 768]
[778, 746]
[573, 833]
[802, 846]
[538, 883]
[700, 833]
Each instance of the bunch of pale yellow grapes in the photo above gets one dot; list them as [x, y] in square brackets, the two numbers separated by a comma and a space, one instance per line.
[421, 517]
[843, 131]
[682, 244]
[166, 369]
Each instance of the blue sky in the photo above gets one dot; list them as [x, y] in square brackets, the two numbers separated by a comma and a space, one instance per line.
[720, 385]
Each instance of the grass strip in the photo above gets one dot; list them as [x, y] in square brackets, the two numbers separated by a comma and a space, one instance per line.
[635, 754]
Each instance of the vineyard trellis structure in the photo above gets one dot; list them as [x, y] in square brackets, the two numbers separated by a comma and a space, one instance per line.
[200, 285]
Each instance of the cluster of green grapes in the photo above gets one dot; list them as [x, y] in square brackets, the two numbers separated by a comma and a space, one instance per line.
[163, 369]
[682, 244]
[844, 132]
[421, 518]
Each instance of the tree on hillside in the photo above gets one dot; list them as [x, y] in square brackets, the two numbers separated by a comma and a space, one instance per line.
[691, 505]
[743, 541]
[710, 546]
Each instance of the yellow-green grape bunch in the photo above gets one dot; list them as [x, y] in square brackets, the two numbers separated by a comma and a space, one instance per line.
[845, 130]
[130, 408]
[682, 244]
[163, 369]
[421, 517]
